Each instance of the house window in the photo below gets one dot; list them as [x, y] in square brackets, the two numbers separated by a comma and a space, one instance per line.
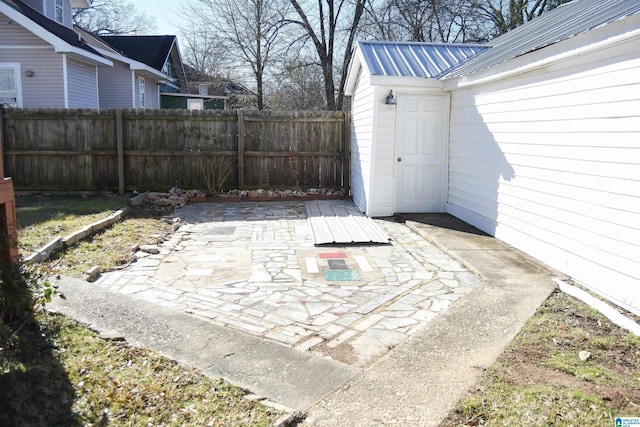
[10, 86]
[203, 89]
[141, 91]
[59, 11]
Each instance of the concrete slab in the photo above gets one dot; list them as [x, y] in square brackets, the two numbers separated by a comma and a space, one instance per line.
[424, 377]
[294, 378]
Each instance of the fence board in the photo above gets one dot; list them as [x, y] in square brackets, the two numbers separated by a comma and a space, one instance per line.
[50, 149]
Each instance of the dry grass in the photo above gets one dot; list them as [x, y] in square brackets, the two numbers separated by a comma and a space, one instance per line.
[541, 380]
[57, 372]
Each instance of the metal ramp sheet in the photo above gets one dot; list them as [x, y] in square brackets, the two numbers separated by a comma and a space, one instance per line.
[339, 221]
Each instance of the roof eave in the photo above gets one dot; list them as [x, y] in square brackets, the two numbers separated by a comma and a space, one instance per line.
[133, 64]
[581, 44]
[407, 81]
[352, 73]
[59, 45]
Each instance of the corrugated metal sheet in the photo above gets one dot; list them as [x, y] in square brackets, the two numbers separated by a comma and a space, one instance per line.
[412, 59]
[552, 27]
[339, 221]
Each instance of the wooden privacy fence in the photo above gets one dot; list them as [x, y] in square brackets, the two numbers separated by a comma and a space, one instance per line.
[125, 150]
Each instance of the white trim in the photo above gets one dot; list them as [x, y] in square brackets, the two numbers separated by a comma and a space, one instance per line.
[25, 47]
[59, 45]
[18, 76]
[133, 89]
[57, 8]
[97, 87]
[142, 94]
[65, 80]
[193, 95]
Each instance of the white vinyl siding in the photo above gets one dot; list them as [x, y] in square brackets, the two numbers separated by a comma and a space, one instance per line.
[361, 141]
[550, 163]
[82, 85]
[383, 199]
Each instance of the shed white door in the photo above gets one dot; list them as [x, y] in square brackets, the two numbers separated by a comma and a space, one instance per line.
[420, 172]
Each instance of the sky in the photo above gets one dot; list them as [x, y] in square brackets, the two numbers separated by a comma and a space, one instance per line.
[165, 13]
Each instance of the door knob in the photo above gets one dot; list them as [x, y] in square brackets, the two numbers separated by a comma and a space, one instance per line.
[399, 159]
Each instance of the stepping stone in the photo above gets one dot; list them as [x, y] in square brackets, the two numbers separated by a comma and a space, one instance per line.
[341, 275]
[337, 264]
[328, 255]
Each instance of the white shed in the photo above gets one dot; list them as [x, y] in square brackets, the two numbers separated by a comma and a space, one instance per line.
[535, 139]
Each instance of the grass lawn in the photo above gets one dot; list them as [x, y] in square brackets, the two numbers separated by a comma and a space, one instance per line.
[43, 218]
[56, 372]
[569, 366]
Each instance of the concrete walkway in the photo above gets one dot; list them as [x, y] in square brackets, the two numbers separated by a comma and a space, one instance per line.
[422, 379]
[241, 293]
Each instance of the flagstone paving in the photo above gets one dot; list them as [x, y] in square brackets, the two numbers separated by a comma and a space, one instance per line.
[253, 267]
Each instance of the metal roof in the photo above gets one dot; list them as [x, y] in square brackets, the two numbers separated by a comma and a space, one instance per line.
[413, 59]
[559, 24]
[339, 221]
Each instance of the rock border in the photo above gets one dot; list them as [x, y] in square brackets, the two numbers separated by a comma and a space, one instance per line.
[177, 198]
[60, 243]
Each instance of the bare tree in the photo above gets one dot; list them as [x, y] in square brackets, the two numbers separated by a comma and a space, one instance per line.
[446, 21]
[330, 25]
[204, 51]
[113, 17]
[250, 28]
[300, 86]
[506, 15]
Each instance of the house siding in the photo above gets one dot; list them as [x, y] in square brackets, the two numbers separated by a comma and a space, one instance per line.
[115, 86]
[35, 4]
[44, 89]
[361, 141]
[50, 12]
[549, 162]
[82, 78]
[14, 35]
[151, 92]
[383, 203]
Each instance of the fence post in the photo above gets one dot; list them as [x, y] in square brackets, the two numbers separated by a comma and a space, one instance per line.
[241, 135]
[120, 148]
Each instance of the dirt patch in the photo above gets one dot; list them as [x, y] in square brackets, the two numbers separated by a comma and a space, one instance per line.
[568, 366]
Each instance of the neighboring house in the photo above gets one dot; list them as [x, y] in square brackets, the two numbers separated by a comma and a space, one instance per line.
[204, 86]
[534, 139]
[43, 62]
[161, 53]
[235, 95]
[46, 62]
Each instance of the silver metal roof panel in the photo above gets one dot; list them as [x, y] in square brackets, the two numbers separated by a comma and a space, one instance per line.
[566, 21]
[413, 59]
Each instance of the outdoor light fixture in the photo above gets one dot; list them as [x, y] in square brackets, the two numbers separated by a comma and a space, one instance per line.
[390, 99]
